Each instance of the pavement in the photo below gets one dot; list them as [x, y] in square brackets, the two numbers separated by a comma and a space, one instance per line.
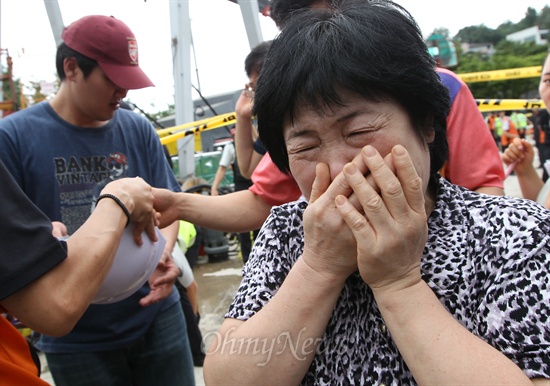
[218, 283]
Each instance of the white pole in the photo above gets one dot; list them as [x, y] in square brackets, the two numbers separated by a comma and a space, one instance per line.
[180, 24]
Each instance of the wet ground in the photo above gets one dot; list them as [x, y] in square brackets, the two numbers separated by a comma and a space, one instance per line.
[218, 283]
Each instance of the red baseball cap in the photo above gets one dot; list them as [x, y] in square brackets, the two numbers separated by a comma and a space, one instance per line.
[112, 44]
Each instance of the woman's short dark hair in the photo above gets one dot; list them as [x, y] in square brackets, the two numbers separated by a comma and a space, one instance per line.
[85, 63]
[374, 49]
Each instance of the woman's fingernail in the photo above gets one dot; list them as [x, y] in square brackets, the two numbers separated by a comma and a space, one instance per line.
[369, 151]
[351, 169]
[399, 150]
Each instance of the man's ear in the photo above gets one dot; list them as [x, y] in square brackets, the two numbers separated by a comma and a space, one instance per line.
[70, 67]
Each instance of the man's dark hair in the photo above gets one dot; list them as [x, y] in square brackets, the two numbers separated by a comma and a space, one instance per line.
[374, 49]
[63, 52]
[255, 59]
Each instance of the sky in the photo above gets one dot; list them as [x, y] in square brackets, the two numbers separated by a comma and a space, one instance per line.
[218, 34]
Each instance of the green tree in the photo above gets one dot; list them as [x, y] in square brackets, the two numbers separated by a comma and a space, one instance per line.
[37, 96]
[529, 20]
[543, 19]
[479, 34]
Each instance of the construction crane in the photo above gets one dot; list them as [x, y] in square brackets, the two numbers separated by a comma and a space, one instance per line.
[8, 103]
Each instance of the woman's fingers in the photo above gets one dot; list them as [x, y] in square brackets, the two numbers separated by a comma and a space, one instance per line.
[321, 182]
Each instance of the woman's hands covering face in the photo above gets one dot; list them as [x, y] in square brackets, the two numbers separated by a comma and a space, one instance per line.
[390, 225]
[372, 217]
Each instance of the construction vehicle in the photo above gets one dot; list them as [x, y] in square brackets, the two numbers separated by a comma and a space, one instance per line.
[443, 50]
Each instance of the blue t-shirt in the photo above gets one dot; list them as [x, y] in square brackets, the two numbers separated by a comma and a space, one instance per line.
[61, 167]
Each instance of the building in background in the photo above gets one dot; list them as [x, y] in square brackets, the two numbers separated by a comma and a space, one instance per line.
[532, 34]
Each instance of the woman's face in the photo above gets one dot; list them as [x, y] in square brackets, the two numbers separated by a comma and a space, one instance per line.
[339, 134]
[544, 85]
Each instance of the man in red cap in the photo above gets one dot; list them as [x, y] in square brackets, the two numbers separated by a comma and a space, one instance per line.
[58, 152]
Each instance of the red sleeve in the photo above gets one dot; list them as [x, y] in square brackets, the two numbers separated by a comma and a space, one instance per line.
[474, 160]
[272, 185]
[16, 364]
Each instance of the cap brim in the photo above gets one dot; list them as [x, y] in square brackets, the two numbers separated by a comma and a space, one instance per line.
[126, 77]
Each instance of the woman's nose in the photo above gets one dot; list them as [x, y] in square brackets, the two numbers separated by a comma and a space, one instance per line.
[337, 160]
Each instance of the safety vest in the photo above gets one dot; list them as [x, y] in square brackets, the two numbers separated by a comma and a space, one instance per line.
[521, 120]
[186, 235]
[498, 126]
[504, 140]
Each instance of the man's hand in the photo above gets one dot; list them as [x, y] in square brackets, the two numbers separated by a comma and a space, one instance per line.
[161, 281]
[137, 196]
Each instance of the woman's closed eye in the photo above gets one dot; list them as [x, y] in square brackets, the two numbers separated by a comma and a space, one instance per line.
[360, 135]
[302, 148]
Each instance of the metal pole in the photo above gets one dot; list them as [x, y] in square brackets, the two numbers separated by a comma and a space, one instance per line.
[181, 48]
[56, 20]
[251, 17]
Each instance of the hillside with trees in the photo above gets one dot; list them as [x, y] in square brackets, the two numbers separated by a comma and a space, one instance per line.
[506, 55]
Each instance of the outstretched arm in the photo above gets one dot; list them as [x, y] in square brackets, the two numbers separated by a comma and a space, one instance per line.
[236, 212]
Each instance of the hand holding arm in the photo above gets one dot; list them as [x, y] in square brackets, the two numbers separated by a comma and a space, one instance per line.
[77, 278]
[137, 196]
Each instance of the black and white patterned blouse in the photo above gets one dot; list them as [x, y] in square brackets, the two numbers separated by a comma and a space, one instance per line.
[487, 258]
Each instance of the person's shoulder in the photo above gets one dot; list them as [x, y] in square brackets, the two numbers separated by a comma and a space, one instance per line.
[133, 123]
[453, 82]
[36, 110]
[28, 119]
[447, 75]
[441, 70]
[290, 210]
[515, 208]
[130, 116]
[489, 211]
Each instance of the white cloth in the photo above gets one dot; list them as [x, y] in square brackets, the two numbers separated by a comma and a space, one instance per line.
[181, 262]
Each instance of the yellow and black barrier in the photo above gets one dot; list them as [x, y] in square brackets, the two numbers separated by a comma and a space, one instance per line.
[507, 74]
[486, 105]
[170, 135]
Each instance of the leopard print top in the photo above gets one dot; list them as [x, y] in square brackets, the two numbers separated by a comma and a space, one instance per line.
[487, 259]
